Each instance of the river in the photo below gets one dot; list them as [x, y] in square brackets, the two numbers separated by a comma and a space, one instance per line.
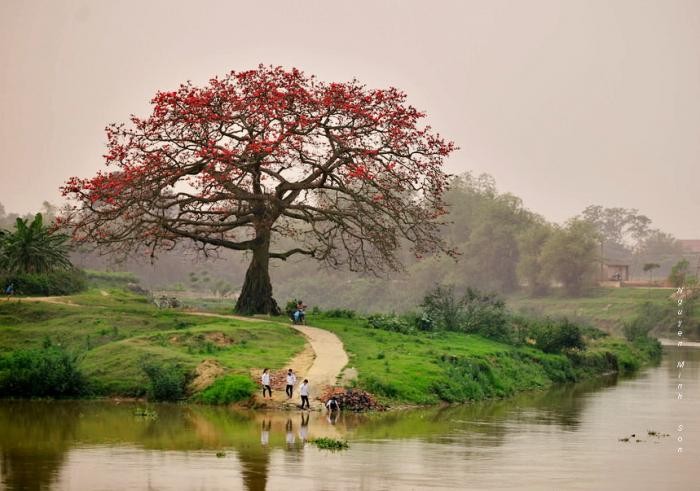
[563, 438]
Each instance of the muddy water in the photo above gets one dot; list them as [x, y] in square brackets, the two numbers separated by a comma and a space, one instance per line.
[566, 438]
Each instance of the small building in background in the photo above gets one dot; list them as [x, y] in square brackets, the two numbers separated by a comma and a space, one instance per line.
[616, 272]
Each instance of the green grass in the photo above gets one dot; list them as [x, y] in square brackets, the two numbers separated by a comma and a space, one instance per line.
[426, 368]
[226, 390]
[114, 332]
[607, 308]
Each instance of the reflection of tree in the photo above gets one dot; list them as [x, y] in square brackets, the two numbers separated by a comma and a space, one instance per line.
[34, 439]
[254, 461]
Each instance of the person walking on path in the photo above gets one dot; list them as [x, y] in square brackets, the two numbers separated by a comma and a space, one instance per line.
[266, 383]
[304, 392]
[291, 380]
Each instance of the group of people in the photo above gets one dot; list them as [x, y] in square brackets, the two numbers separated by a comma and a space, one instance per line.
[291, 380]
[331, 405]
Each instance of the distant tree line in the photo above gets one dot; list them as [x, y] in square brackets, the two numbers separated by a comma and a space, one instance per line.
[503, 247]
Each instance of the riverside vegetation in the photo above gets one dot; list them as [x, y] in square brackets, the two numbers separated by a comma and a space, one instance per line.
[459, 348]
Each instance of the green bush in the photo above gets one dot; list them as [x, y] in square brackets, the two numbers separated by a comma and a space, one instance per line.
[340, 313]
[60, 282]
[166, 382]
[475, 312]
[290, 307]
[110, 279]
[47, 372]
[442, 306]
[229, 389]
[554, 336]
[376, 386]
[648, 317]
[390, 322]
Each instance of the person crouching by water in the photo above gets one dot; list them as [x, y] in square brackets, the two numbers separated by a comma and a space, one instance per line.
[266, 382]
[332, 405]
[291, 380]
[304, 392]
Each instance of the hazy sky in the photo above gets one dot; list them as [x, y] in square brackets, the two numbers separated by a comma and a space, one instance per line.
[565, 103]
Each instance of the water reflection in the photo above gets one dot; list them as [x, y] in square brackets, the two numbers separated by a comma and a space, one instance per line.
[47, 444]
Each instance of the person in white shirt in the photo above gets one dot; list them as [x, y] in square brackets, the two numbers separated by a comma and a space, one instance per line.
[304, 392]
[291, 380]
[266, 382]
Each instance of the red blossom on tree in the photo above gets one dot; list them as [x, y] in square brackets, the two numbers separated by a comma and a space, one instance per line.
[259, 155]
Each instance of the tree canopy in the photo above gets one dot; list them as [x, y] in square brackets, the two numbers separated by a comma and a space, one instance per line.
[33, 248]
[345, 171]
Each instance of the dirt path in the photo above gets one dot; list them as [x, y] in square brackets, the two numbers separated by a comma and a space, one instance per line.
[321, 362]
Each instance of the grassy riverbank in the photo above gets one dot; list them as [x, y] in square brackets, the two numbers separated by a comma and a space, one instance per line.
[427, 368]
[113, 333]
[607, 308]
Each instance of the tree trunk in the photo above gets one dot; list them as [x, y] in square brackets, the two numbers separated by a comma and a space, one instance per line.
[256, 294]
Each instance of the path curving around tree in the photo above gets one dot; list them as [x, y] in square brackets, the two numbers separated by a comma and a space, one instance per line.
[321, 362]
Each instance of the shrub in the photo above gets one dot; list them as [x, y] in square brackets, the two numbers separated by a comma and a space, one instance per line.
[390, 322]
[47, 372]
[229, 389]
[376, 386]
[110, 279]
[167, 382]
[340, 313]
[475, 312]
[553, 336]
[290, 307]
[679, 272]
[648, 317]
[60, 282]
[441, 305]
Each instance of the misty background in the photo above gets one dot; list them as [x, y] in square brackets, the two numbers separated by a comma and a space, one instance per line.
[562, 105]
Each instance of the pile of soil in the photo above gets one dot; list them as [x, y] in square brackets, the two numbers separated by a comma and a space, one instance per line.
[352, 399]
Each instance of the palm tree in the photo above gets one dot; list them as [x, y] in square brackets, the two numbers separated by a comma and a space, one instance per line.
[33, 248]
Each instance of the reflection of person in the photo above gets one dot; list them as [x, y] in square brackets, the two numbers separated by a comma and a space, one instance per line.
[266, 382]
[291, 380]
[304, 428]
[265, 432]
[304, 392]
[290, 435]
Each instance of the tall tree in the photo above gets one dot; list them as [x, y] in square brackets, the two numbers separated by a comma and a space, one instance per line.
[33, 248]
[530, 266]
[264, 154]
[621, 227]
[569, 255]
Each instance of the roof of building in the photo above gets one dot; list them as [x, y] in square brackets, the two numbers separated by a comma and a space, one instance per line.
[690, 245]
